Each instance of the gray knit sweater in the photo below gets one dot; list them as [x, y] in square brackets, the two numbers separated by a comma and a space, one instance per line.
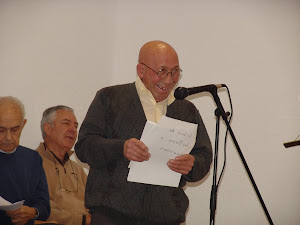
[115, 115]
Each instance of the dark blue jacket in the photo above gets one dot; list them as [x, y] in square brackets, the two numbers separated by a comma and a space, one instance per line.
[22, 177]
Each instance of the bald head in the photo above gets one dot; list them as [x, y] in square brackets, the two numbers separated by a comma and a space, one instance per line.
[11, 122]
[10, 101]
[152, 49]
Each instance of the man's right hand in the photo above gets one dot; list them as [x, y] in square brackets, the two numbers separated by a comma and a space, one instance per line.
[136, 150]
[22, 216]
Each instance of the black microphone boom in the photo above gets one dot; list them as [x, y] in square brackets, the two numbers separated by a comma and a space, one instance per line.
[182, 92]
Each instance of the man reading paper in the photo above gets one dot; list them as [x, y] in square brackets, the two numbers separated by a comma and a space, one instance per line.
[109, 139]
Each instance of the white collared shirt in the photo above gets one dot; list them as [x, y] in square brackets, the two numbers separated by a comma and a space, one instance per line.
[8, 152]
[153, 110]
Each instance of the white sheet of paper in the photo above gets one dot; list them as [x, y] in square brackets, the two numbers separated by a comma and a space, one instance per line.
[7, 206]
[165, 140]
[147, 129]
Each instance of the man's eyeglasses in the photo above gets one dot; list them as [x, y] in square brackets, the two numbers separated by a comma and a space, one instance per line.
[163, 73]
[74, 175]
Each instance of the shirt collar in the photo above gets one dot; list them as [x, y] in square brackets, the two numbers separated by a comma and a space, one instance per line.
[66, 157]
[8, 152]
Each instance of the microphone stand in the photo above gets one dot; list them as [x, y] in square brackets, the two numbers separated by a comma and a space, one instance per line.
[213, 194]
[224, 116]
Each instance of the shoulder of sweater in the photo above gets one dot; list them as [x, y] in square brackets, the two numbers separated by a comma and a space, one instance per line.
[77, 166]
[183, 102]
[28, 153]
[122, 91]
[26, 150]
[117, 87]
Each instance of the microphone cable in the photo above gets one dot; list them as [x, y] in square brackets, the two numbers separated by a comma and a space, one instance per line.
[226, 135]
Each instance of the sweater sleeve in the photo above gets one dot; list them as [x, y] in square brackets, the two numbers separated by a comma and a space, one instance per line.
[40, 197]
[202, 152]
[96, 145]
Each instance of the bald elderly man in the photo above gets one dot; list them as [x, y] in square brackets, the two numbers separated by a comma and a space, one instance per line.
[109, 140]
[22, 174]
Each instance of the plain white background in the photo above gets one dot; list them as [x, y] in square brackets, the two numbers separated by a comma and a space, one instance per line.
[62, 52]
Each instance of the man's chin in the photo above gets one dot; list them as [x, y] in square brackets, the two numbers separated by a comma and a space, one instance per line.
[8, 149]
[69, 146]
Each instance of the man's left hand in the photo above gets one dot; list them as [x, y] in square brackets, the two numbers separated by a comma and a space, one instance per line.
[22, 215]
[182, 164]
[88, 219]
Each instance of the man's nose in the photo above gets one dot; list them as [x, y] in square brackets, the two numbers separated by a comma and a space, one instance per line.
[73, 128]
[169, 78]
[8, 135]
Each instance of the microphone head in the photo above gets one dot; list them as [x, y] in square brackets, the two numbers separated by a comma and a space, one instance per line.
[181, 93]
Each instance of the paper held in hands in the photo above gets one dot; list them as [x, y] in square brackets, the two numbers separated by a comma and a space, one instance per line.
[7, 206]
[165, 140]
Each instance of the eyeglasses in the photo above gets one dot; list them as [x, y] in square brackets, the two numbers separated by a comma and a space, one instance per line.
[163, 73]
[74, 175]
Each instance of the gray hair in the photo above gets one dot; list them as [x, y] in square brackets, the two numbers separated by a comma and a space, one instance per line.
[14, 101]
[49, 115]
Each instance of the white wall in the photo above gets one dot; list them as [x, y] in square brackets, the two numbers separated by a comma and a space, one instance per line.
[62, 52]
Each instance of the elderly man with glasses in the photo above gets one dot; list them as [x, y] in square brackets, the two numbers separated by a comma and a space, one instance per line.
[66, 179]
[109, 139]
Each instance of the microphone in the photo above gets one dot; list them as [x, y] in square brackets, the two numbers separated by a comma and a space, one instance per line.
[182, 92]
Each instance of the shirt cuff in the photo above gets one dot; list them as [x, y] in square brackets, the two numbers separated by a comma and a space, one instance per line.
[37, 213]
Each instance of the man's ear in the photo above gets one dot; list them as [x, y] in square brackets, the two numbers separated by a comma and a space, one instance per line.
[24, 122]
[47, 128]
[140, 69]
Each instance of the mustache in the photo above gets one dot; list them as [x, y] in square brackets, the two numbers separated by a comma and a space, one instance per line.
[7, 142]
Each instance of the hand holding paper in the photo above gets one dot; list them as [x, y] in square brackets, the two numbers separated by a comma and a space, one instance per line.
[22, 215]
[182, 164]
[136, 150]
[169, 139]
[7, 206]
